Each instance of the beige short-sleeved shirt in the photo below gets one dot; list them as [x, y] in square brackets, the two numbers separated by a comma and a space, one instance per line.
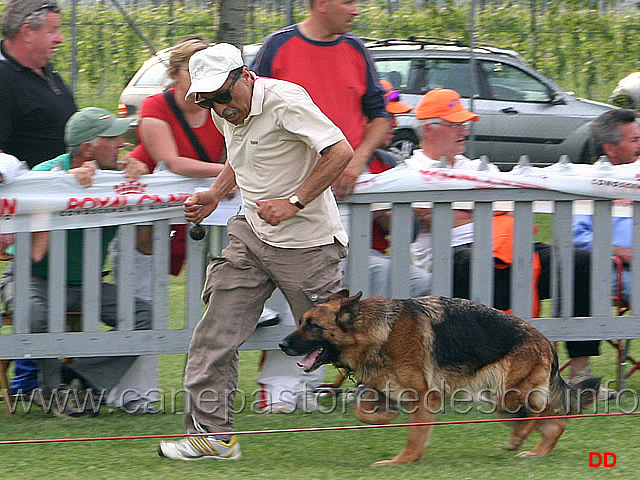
[272, 153]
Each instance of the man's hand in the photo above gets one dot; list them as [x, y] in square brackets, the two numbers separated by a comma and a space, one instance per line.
[375, 135]
[133, 168]
[625, 254]
[199, 206]
[276, 210]
[343, 187]
[84, 173]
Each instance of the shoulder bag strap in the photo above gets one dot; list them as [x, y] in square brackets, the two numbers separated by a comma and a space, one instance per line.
[187, 129]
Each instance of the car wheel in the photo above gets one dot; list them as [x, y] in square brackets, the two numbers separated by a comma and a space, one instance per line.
[405, 141]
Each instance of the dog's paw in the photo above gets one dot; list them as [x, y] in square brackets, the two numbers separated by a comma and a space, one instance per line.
[511, 446]
[528, 454]
[398, 460]
[383, 463]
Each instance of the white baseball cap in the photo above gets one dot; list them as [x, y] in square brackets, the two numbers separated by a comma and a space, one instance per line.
[209, 68]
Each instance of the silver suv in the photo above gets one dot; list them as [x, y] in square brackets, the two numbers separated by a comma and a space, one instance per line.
[521, 111]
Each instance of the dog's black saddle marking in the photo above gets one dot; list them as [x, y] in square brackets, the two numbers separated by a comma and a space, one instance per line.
[471, 335]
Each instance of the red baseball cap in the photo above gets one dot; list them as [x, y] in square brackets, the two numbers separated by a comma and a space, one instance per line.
[443, 103]
[394, 105]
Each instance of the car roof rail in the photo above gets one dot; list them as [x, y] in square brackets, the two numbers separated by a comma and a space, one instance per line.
[422, 41]
[412, 40]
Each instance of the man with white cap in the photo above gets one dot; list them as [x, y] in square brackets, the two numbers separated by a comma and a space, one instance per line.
[283, 154]
[92, 135]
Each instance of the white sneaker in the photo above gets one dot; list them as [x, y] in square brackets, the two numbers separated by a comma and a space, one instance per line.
[279, 407]
[198, 448]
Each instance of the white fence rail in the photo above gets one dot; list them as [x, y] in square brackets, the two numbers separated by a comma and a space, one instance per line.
[92, 341]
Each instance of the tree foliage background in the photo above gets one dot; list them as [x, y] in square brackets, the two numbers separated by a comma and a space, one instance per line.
[584, 50]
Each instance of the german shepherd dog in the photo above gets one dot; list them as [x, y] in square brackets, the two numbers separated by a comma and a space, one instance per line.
[422, 344]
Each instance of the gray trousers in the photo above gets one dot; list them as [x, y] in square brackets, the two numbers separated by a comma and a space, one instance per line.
[100, 372]
[237, 285]
[380, 269]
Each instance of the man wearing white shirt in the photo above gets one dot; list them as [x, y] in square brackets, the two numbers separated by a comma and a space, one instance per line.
[443, 127]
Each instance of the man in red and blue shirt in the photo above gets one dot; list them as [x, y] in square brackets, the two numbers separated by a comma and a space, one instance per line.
[338, 73]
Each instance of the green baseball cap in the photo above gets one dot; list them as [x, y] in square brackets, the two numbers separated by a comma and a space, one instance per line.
[91, 122]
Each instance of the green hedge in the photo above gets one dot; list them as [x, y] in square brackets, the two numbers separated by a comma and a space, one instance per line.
[584, 51]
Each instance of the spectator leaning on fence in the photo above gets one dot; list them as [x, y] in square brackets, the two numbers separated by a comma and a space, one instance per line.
[94, 137]
[283, 155]
[615, 134]
[34, 101]
[165, 143]
[442, 127]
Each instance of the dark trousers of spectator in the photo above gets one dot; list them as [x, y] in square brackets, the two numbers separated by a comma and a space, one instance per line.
[502, 287]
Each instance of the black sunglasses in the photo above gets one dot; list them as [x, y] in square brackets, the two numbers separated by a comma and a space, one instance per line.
[221, 98]
[45, 5]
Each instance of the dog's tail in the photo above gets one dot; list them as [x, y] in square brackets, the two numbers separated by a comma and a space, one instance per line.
[570, 399]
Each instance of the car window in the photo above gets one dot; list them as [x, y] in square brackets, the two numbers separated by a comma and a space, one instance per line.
[447, 73]
[509, 83]
[394, 71]
[153, 76]
[418, 76]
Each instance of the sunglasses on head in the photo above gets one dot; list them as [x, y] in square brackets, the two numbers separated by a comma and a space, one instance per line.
[45, 5]
[221, 98]
[393, 96]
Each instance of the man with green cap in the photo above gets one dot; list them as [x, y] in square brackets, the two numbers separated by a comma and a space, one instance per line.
[93, 137]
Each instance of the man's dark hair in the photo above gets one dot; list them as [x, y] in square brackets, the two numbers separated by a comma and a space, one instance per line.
[606, 129]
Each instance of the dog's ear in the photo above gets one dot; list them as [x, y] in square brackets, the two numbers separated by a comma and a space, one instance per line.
[344, 293]
[346, 316]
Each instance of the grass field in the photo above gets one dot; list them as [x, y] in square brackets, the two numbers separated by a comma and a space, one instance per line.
[457, 451]
[471, 451]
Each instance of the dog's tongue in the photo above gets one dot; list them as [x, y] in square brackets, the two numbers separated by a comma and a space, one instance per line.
[308, 361]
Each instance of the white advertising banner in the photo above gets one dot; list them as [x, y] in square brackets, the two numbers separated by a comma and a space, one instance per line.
[600, 180]
[53, 200]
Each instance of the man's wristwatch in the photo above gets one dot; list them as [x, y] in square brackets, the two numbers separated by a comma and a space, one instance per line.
[294, 200]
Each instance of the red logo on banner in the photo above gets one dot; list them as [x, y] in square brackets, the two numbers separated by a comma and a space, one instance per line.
[8, 206]
[127, 188]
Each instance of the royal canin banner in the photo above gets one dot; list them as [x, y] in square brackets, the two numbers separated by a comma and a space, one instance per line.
[54, 200]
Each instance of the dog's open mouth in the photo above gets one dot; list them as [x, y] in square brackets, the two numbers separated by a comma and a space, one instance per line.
[315, 359]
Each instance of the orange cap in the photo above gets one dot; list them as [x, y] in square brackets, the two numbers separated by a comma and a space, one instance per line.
[443, 103]
[394, 105]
